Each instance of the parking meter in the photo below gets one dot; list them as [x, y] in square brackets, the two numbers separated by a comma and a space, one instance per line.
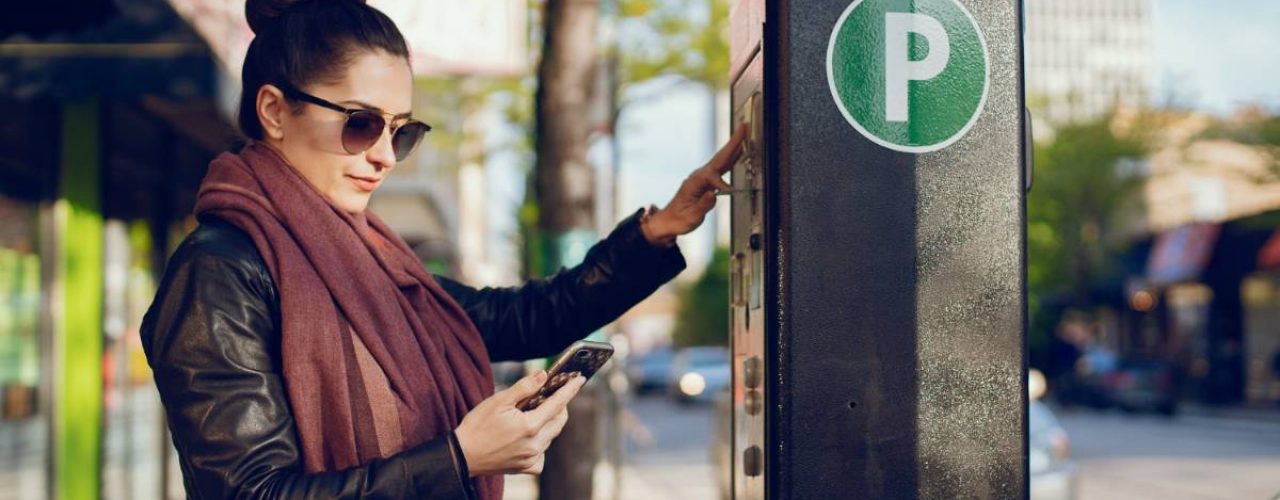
[877, 284]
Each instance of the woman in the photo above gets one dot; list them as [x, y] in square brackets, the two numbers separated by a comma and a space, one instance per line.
[300, 348]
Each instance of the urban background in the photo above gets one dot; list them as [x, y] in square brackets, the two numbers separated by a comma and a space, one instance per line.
[1153, 226]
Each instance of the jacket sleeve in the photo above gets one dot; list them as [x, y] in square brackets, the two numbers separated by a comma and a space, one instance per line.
[545, 315]
[210, 338]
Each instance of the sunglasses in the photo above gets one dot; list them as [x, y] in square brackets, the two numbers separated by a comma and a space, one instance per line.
[364, 127]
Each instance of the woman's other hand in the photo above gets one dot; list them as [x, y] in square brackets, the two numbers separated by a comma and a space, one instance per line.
[696, 196]
[498, 438]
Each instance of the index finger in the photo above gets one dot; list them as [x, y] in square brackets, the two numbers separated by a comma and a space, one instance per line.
[728, 154]
[558, 401]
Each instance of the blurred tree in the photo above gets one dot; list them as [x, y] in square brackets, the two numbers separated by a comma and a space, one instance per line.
[652, 39]
[681, 42]
[564, 190]
[1080, 189]
[676, 38]
[1269, 130]
[703, 318]
[668, 38]
[1255, 127]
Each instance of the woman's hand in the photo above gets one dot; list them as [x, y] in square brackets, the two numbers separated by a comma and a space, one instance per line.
[498, 438]
[696, 196]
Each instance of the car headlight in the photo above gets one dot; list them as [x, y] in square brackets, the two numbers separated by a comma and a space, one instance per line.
[692, 384]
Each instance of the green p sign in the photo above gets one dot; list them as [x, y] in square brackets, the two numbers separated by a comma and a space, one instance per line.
[911, 75]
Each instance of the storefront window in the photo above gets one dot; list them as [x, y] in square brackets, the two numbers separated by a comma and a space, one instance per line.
[24, 443]
[134, 449]
[1262, 338]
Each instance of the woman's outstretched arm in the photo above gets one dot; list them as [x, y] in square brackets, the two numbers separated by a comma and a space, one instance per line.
[545, 315]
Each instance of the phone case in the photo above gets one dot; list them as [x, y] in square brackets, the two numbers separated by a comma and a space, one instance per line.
[583, 357]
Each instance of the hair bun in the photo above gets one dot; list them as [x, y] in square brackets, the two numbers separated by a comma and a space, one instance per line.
[262, 13]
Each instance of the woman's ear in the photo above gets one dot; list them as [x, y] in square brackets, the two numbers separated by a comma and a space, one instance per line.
[271, 108]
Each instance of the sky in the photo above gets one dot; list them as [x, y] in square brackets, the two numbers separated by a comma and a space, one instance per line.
[1217, 55]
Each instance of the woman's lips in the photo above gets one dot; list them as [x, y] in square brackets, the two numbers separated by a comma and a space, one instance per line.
[366, 184]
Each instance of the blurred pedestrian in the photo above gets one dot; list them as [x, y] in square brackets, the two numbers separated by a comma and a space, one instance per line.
[1098, 358]
[300, 347]
[1064, 358]
[1063, 352]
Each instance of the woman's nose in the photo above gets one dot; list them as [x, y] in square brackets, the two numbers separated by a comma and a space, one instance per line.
[381, 154]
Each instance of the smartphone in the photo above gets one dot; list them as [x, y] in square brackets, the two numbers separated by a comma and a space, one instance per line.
[583, 357]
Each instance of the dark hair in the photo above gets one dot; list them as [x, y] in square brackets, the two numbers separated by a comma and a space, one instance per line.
[304, 41]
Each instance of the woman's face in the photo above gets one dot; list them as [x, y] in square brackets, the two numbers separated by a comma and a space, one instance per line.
[311, 139]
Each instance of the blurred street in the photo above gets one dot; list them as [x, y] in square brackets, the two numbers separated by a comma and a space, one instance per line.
[675, 465]
[1190, 456]
[1195, 455]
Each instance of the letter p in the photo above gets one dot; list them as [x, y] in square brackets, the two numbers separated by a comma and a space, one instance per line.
[899, 69]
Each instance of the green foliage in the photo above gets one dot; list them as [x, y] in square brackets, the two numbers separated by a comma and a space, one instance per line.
[1263, 131]
[703, 318]
[1071, 209]
[534, 263]
[669, 37]
[1269, 131]
[1260, 131]
[656, 38]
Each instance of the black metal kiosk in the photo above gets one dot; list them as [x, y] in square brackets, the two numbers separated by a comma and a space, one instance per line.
[878, 291]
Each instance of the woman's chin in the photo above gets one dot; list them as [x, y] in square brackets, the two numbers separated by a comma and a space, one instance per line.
[352, 203]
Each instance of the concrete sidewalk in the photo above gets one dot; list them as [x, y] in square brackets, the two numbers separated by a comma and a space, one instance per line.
[670, 461]
[677, 481]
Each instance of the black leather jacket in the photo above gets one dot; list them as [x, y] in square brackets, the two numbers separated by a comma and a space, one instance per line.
[213, 342]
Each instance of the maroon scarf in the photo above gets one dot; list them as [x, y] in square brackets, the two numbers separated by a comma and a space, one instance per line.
[335, 277]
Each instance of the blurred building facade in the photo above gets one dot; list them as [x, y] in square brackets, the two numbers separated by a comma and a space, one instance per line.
[1085, 57]
[112, 117]
[1202, 285]
[114, 110]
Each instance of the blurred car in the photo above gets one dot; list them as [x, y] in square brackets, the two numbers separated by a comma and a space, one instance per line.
[699, 373]
[1142, 385]
[651, 372]
[1082, 387]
